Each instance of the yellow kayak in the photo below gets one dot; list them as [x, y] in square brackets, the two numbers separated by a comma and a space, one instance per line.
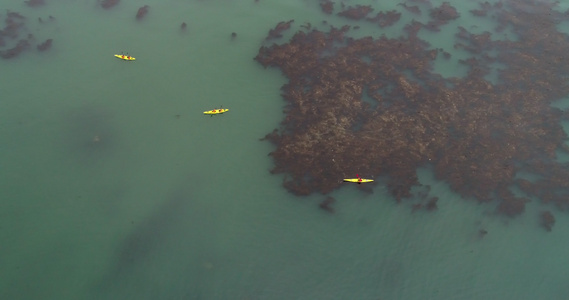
[358, 180]
[125, 57]
[215, 111]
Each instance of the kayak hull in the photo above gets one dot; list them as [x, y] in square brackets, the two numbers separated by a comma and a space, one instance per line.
[125, 57]
[357, 180]
[215, 111]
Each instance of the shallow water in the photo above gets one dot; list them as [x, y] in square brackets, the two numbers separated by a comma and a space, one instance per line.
[115, 186]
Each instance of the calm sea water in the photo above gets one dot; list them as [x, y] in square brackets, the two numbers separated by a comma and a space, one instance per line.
[113, 185]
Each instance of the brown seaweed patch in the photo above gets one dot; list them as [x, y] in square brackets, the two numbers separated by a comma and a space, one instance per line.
[327, 6]
[142, 12]
[384, 19]
[107, 4]
[547, 220]
[357, 12]
[432, 203]
[16, 50]
[414, 9]
[45, 45]
[445, 12]
[277, 31]
[441, 15]
[475, 133]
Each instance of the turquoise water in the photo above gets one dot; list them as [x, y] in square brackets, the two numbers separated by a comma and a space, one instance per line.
[113, 185]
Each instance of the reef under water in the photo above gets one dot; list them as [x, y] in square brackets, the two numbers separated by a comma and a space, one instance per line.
[375, 106]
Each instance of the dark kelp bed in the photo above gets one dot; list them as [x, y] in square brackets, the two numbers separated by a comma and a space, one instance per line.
[476, 134]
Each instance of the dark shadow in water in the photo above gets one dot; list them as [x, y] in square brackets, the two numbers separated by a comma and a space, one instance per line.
[147, 260]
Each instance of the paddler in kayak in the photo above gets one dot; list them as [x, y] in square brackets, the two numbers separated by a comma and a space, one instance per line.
[358, 180]
[124, 57]
[216, 111]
